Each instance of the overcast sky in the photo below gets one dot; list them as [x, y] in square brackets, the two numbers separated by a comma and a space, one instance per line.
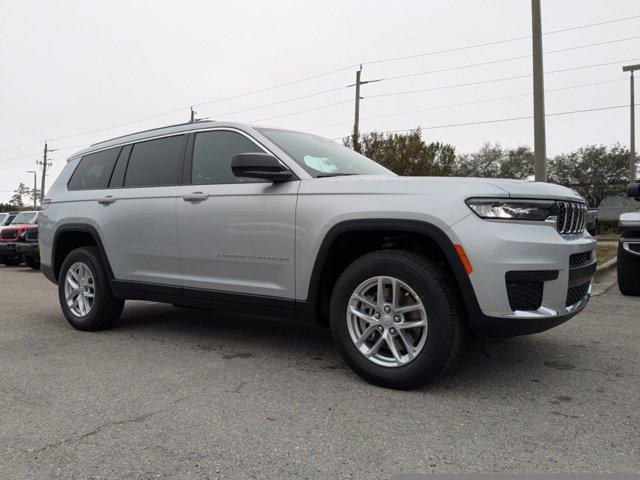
[68, 67]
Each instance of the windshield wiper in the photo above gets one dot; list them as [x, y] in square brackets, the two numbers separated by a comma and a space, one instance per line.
[323, 175]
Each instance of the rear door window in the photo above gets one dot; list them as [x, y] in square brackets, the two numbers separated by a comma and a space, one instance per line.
[156, 163]
[94, 170]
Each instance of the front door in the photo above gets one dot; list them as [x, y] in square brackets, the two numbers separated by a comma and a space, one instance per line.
[234, 234]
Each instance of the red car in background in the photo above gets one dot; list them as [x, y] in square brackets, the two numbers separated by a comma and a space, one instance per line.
[18, 235]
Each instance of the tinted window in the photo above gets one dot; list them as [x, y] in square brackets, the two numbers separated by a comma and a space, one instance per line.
[117, 178]
[212, 154]
[94, 170]
[155, 163]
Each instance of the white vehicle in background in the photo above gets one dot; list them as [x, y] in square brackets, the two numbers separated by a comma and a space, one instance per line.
[629, 249]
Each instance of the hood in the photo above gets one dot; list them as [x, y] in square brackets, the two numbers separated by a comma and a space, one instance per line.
[456, 186]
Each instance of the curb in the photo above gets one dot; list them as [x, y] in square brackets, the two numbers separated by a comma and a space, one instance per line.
[606, 266]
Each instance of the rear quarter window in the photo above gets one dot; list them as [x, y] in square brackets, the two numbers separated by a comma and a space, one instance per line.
[94, 170]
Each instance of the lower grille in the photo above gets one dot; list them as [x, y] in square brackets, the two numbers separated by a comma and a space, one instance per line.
[579, 259]
[577, 293]
[524, 295]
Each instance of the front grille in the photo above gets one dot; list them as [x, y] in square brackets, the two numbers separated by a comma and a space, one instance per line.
[31, 235]
[577, 293]
[572, 217]
[579, 259]
[9, 234]
[524, 295]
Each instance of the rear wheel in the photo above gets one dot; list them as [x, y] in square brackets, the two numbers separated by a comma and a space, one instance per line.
[628, 272]
[84, 291]
[11, 261]
[396, 318]
[31, 262]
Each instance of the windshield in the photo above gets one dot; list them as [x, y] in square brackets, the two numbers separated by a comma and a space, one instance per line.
[22, 218]
[321, 157]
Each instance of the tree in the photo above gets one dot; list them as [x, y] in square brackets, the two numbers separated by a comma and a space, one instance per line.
[595, 172]
[407, 154]
[493, 161]
[18, 194]
[34, 196]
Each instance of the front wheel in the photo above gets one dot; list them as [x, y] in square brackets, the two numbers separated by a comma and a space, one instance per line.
[396, 318]
[84, 291]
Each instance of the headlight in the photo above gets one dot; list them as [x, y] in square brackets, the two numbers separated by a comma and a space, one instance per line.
[511, 209]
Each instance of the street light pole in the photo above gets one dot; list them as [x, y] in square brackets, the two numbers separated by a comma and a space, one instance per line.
[632, 123]
[539, 140]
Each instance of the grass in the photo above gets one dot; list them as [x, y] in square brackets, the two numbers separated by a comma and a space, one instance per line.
[606, 252]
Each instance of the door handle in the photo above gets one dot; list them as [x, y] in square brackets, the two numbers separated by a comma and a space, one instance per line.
[108, 200]
[195, 197]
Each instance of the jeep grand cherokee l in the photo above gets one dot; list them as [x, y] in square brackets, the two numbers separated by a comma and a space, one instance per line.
[237, 217]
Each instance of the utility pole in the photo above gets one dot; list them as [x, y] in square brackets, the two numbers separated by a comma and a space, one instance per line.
[356, 120]
[632, 137]
[540, 142]
[35, 187]
[193, 115]
[44, 164]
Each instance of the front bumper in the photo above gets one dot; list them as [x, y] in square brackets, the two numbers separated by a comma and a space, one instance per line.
[8, 249]
[517, 251]
[28, 249]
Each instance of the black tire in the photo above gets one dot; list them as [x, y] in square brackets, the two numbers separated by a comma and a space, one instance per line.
[106, 309]
[31, 262]
[11, 261]
[628, 273]
[434, 286]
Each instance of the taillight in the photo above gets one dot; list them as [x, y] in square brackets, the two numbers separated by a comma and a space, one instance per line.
[45, 203]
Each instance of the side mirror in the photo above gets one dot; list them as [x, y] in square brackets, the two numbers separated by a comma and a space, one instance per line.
[633, 190]
[259, 165]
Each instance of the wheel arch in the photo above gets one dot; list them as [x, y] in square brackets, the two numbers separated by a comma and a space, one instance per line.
[433, 233]
[70, 236]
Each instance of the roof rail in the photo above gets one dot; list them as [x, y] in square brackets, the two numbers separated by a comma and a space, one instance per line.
[146, 131]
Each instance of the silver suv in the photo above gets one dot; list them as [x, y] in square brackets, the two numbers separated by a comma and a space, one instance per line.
[251, 219]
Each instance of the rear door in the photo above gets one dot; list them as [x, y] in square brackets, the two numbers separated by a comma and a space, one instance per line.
[138, 211]
[234, 234]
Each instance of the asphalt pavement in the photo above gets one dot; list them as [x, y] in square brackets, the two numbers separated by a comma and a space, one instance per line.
[179, 393]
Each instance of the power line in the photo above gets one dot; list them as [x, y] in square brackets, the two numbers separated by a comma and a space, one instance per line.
[486, 100]
[500, 120]
[496, 42]
[38, 153]
[315, 94]
[509, 59]
[501, 79]
[305, 110]
[319, 75]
